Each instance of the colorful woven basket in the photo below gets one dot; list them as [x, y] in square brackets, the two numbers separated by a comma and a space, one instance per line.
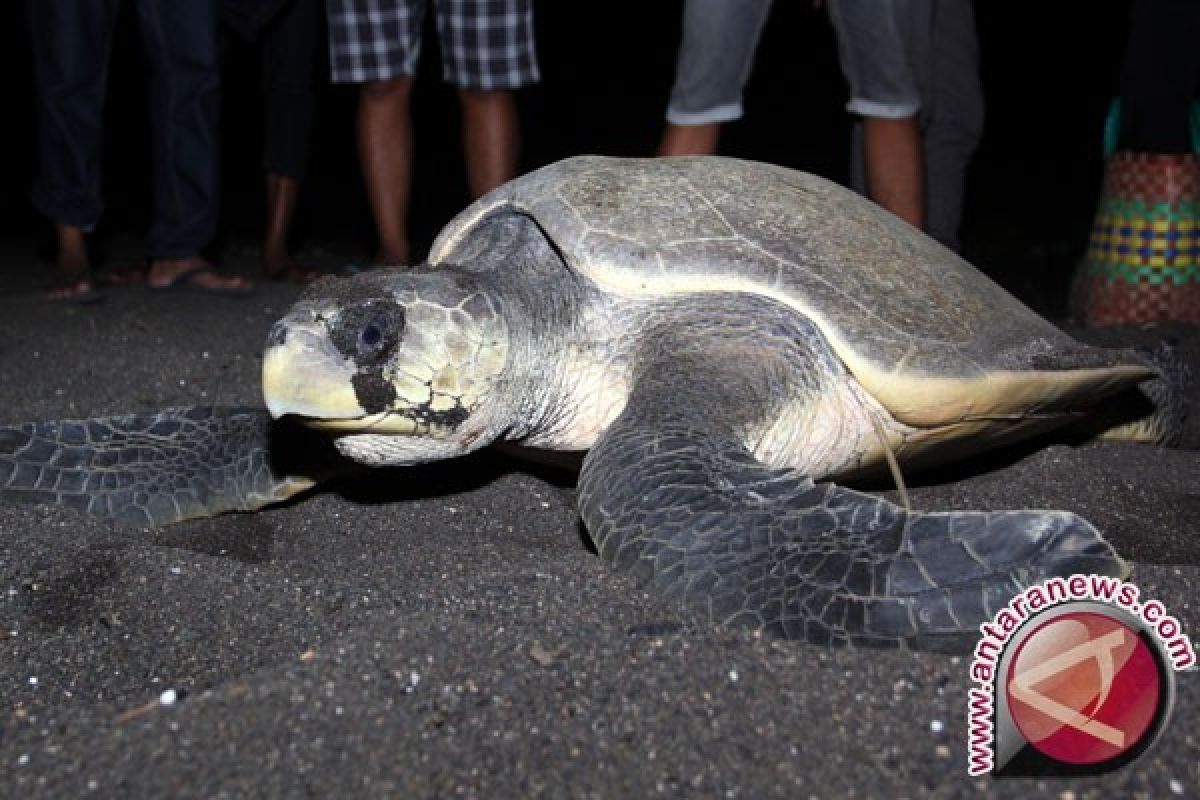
[1143, 258]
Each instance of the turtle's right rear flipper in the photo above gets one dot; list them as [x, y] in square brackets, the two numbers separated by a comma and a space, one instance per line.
[162, 467]
[1155, 411]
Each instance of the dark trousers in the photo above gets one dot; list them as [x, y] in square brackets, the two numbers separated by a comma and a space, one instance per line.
[71, 42]
[1160, 76]
[290, 42]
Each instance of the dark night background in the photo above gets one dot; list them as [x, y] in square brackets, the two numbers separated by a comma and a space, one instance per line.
[607, 67]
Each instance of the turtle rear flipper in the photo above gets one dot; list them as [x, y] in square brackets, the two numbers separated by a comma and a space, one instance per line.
[162, 467]
[1155, 411]
[671, 494]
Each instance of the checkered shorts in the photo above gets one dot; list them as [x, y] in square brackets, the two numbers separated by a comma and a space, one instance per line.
[486, 44]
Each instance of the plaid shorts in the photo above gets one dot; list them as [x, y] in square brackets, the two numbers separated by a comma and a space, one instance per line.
[486, 44]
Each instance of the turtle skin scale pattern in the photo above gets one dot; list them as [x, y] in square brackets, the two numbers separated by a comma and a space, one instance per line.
[147, 469]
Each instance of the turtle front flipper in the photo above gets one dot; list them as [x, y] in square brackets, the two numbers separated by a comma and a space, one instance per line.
[671, 492]
[162, 467]
[698, 518]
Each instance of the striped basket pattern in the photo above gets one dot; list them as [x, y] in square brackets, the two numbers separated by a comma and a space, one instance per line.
[1143, 257]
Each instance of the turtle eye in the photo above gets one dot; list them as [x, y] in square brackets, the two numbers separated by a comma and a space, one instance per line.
[367, 332]
[370, 339]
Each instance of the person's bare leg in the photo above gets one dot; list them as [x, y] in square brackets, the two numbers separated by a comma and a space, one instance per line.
[895, 167]
[491, 138]
[74, 270]
[690, 140]
[283, 192]
[385, 152]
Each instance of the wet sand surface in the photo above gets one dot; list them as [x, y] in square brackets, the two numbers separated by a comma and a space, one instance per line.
[447, 631]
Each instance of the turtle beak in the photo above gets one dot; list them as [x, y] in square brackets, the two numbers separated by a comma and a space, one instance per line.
[305, 375]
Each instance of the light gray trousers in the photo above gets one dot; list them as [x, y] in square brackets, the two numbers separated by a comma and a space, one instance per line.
[942, 54]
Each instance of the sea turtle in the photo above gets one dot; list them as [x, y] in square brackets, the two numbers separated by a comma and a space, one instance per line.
[718, 335]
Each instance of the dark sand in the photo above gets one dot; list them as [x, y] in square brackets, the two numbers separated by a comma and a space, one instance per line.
[446, 631]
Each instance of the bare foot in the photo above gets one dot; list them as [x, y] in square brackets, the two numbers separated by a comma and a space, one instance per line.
[79, 291]
[193, 273]
[293, 273]
[72, 281]
[277, 266]
[392, 257]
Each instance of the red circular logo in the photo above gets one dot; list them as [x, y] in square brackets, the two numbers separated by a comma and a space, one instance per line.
[1084, 688]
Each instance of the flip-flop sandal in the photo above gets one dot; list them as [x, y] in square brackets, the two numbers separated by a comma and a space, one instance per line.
[186, 282]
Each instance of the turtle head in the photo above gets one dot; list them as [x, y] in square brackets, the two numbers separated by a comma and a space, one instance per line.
[399, 366]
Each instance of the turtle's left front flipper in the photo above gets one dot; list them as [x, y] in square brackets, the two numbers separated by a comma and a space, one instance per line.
[162, 467]
[704, 523]
[671, 493]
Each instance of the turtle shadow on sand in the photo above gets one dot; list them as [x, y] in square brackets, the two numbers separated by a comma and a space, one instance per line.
[297, 450]
[1142, 497]
[471, 472]
[240, 538]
